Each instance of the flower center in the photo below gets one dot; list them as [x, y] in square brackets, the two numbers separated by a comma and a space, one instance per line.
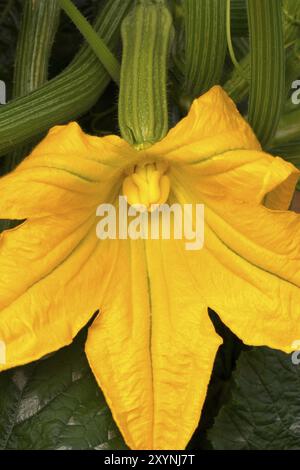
[147, 184]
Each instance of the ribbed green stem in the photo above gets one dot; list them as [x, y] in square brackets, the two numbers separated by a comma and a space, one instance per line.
[237, 86]
[143, 108]
[205, 44]
[69, 94]
[37, 32]
[38, 27]
[177, 66]
[229, 42]
[103, 53]
[267, 83]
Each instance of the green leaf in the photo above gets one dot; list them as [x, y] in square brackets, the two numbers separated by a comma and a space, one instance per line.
[263, 411]
[55, 403]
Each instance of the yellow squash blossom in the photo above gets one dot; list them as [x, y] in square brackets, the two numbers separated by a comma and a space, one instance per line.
[152, 346]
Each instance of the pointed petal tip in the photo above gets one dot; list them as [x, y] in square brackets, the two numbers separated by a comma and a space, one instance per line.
[213, 95]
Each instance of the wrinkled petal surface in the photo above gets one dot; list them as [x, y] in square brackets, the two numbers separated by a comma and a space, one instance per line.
[249, 269]
[212, 126]
[49, 276]
[68, 170]
[153, 346]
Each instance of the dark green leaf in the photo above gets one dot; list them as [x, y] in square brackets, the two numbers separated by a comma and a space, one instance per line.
[263, 411]
[55, 404]
[219, 385]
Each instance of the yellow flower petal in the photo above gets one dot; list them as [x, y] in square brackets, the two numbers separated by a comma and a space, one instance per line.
[248, 270]
[67, 171]
[245, 175]
[215, 150]
[212, 126]
[49, 283]
[50, 262]
[152, 347]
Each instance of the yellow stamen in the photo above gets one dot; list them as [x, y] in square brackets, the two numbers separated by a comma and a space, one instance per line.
[147, 184]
